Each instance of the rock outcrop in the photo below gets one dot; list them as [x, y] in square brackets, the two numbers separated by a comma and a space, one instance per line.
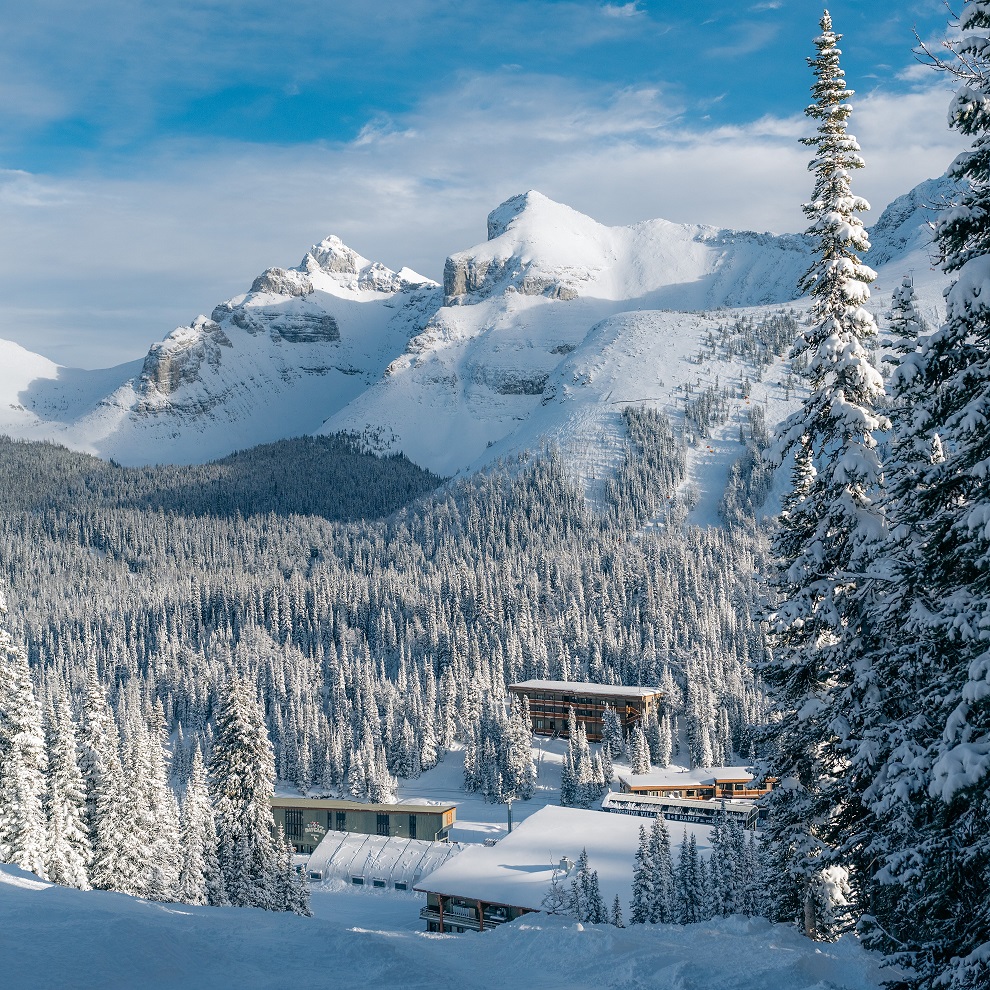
[177, 359]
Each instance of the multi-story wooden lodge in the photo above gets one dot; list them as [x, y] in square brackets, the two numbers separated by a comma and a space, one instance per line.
[550, 701]
[307, 820]
[700, 784]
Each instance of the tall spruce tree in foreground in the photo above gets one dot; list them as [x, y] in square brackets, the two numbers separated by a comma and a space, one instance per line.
[22, 760]
[242, 779]
[825, 531]
[103, 783]
[67, 848]
[933, 793]
[200, 879]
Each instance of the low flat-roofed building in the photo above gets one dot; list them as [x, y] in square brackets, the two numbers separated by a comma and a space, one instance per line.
[307, 820]
[373, 861]
[487, 886]
[700, 783]
[550, 701]
[699, 812]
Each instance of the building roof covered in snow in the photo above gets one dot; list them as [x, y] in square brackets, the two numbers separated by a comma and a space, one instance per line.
[517, 871]
[376, 860]
[695, 777]
[584, 688]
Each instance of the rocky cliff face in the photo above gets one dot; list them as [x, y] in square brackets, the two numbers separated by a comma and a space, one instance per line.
[300, 324]
[906, 224]
[177, 360]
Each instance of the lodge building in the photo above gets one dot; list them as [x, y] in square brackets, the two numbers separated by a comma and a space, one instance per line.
[550, 701]
[307, 820]
[699, 784]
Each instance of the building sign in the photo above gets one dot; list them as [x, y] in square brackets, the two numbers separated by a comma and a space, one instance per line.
[315, 828]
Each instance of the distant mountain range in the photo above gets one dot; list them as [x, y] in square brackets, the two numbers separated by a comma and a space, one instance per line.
[541, 334]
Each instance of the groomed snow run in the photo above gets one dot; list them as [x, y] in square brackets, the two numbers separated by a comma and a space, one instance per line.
[53, 937]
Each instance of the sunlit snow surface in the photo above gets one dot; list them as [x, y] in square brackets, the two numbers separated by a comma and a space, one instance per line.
[56, 937]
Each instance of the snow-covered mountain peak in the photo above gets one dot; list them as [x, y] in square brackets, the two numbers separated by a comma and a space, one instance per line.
[332, 255]
[535, 246]
[532, 213]
[349, 270]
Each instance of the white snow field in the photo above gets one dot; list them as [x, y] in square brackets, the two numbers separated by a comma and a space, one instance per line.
[55, 938]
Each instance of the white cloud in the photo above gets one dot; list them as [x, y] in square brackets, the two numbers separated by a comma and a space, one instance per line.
[622, 10]
[122, 261]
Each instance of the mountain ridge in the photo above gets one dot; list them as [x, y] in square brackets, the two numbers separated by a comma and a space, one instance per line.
[486, 365]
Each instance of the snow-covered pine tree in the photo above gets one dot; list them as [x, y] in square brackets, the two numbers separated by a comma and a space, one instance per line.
[22, 760]
[152, 856]
[612, 737]
[644, 882]
[662, 900]
[242, 781]
[200, 880]
[827, 527]
[932, 794]
[639, 751]
[518, 769]
[586, 899]
[689, 904]
[905, 323]
[67, 849]
[291, 886]
[103, 780]
[615, 918]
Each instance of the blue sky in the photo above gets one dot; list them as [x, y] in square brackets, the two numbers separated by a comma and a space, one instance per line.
[154, 156]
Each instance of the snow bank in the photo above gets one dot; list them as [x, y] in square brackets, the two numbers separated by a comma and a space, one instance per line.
[54, 937]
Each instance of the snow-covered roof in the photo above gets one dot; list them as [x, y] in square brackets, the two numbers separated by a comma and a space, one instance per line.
[695, 777]
[518, 870]
[413, 805]
[585, 688]
[345, 855]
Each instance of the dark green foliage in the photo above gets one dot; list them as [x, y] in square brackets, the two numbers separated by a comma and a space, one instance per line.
[329, 476]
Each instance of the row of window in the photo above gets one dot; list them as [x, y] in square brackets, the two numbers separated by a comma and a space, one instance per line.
[295, 819]
[567, 700]
[378, 882]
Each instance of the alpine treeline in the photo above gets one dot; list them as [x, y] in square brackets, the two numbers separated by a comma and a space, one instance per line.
[880, 670]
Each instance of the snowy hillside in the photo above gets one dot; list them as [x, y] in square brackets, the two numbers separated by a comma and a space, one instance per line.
[58, 937]
[541, 333]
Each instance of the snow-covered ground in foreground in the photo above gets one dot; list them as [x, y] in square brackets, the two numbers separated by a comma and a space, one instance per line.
[53, 937]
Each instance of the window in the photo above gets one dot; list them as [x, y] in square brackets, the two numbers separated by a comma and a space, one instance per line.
[341, 821]
[412, 826]
[377, 883]
[357, 881]
[539, 723]
[401, 885]
[294, 823]
[383, 826]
